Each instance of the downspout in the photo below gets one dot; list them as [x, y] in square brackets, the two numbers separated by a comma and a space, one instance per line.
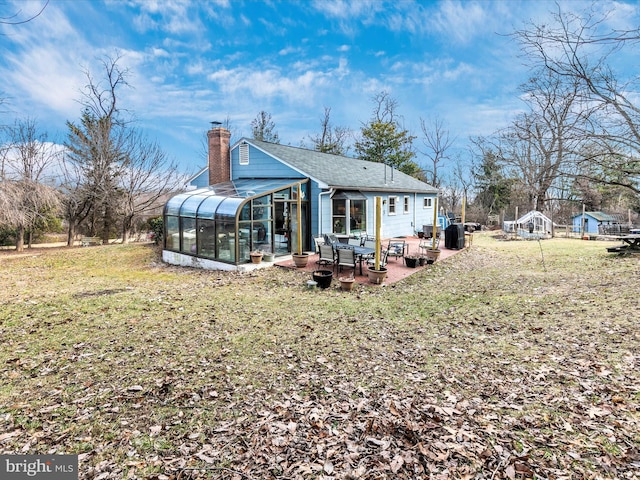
[329, 192]
[415, 211]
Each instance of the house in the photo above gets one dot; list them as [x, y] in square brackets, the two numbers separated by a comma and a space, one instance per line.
[598, 223]
[257, 191]
[532, 224]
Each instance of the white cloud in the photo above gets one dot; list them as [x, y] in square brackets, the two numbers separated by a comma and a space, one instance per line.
[461, 20]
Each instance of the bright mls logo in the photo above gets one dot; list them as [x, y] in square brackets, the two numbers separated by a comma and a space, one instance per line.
[49, 467]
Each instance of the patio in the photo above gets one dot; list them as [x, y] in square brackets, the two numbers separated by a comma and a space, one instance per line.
[396, 268]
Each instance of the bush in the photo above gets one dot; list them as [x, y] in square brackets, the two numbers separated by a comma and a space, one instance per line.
[156, 225]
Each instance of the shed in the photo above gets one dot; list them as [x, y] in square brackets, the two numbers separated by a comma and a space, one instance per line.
[598, 223]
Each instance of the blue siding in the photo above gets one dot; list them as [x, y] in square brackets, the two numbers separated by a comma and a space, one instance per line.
[260, 165]
[201, 180]
[399, 225]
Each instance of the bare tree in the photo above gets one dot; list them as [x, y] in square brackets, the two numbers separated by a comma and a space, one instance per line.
[25, 199]
[148, 177]
[385, 107]
[17, 19]
[577, 48]
[98, 146]
[537, 149]
[436, 139]
[263, 128]
[331, 139]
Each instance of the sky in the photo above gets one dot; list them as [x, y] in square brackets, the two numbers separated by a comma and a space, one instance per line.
[191, 62]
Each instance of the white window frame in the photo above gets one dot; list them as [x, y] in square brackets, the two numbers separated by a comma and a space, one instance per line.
[243, 152]
[406, 205]
[392, 205]
[427, 203]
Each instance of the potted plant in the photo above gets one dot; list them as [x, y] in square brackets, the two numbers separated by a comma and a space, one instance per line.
[323, 278]
[411, 261]
[432, 254]
[377, 276]
[346, 283]
[256, 256]
[300, 259]
[268, 256]
[422, 260]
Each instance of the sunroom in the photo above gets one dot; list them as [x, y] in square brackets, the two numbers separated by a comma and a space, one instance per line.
[223, 223]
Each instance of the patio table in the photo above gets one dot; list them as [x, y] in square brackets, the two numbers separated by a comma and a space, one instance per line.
[631, 244]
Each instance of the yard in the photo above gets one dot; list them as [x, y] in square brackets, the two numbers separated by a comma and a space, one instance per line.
[515, 359]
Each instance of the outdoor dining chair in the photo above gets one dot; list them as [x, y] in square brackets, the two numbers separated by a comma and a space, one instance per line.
[371, 262]
[318, 241]
[396, 248]
[346, 258]
[326, 255]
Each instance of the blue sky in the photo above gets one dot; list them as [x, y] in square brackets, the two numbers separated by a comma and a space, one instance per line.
[192, 62]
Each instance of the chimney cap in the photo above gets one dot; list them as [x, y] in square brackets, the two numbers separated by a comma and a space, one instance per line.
[215, 124]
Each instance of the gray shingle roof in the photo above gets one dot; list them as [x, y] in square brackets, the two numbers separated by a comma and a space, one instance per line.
[599, 216]
[343, 172]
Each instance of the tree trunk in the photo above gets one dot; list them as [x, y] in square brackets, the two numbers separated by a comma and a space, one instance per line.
[71, 233]
[20, 239]
[127, 221]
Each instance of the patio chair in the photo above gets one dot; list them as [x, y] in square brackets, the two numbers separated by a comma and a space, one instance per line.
[369, 244]
[326, 255]
[318, 241]
[396, 248]
[371, 262]
[354, 242]
[346, 258]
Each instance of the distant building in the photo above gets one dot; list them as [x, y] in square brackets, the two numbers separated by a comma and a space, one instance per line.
[531, 224]
[599, 223]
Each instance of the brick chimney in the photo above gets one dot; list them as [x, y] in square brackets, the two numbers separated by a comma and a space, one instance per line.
[219, 159]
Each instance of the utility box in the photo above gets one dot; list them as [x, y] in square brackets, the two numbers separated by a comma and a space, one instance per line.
[454, 236]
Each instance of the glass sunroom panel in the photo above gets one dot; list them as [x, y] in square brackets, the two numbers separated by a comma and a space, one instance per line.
[208, 207]
[206, 238]
[188, 235]
[190, 206]
[172, 233]
[174, 204]
[228, 208]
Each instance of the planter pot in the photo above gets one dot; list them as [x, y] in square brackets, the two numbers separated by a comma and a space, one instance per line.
[422, 261]
[420, 234]
[346, 283]
[411, 262]
[256, 257]
[377, 276]
[300, 259]
[268, 257]
[323, 278]
[432, 254]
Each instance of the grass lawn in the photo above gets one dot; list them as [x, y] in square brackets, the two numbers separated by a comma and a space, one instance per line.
[513, 360]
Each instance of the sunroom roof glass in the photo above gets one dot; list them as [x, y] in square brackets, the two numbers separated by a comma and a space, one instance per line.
[222, 200]
[173, 205]
[190, 205]
[228, 208]
[208, 207]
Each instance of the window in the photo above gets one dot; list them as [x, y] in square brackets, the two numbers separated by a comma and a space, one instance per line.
[244, 154]
[392, 205]
[357, 214]
[406, 205]
[427, 202]
[339, 216]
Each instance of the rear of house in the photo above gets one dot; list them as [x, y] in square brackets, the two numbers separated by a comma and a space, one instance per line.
[260, 195]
